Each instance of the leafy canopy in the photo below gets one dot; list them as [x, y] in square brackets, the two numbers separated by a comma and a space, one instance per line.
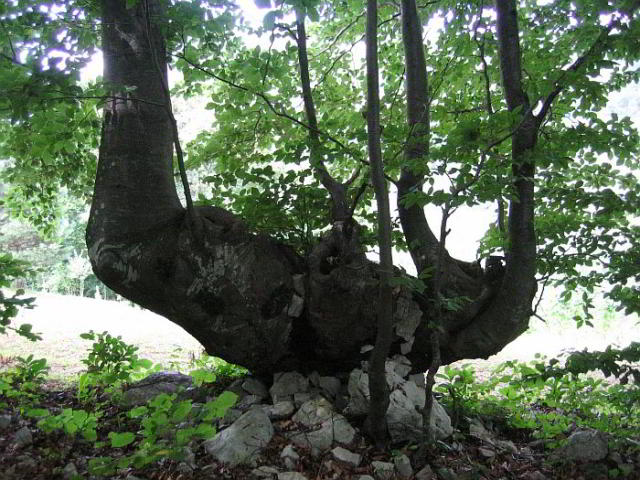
[255, 158]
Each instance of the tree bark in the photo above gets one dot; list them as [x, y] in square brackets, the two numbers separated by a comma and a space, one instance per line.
[245, 297]
[378, 387]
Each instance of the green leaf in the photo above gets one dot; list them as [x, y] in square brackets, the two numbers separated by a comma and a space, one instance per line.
[181, 411]
[121, 439]
[90, 434]
[38, 412]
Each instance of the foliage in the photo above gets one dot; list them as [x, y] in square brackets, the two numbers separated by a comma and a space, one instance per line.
[11, 269]
[621, 363]
[160, 429]
[527, 397]
[256, 150]
[110, 362]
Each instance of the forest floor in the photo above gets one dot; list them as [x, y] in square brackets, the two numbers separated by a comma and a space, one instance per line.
[60, 320]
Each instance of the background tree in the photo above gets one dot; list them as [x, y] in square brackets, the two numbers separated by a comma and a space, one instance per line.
[511, 109]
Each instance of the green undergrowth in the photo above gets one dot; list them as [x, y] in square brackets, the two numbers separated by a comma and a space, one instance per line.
[549, 398]
[544, 400]
[97, 419]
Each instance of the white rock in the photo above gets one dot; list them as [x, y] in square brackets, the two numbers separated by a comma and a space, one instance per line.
[586, 445]
[402, 365]
[409, 316]
[425, 474]
[242, 442]
[440, 422]
[323, 427]
[281, 410]
[403, 419]
[403, 466]
[296, 306]
[254, 386]
[314, 412]
[383, 470]
[286, 384]
[358, 388]
[248, 400]
[300, 398]
[418, 379]
[264, 472]
[69, 471]
[291, 476]
[22, 438]
[405, 347]
[290, 457]
[330, 386]
[5, 421]
[346, 456]
[298, 284]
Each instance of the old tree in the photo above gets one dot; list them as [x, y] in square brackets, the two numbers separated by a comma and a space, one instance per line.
[481, 103]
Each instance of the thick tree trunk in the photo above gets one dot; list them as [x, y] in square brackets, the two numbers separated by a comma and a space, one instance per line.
[245, 297]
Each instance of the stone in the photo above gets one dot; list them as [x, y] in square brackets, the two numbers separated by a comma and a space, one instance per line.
[363, 477]
[247, 401]
[242, 441]
[69, 471]
[300, 398]
[5, 421]
[383, 470]
[281, 410]
[330, 386]
[290, 457]
[402, 365]
[409, 318]
[291, 476]
[425, 473]
[265, 472]
[314, 412]
[406, 347]
[358, 389]
[418, 379]
[440, 422]
[586, 446]
[345, 456]
[507, 445]
[286, 384]
[298, 284]
[394, 379]
[22, 438]
[160, 382]
[296, 306]
[403, 466]
[536, 475]
[404, 421]
[253, 386]
[323, 427]
[184, 468]
[189, 457]
[231, 415]
[486, 452]
[477, 430]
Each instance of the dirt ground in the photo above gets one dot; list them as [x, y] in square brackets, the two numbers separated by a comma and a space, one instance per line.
[61, 319]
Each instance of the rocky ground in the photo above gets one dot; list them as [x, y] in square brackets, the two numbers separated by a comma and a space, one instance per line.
[301, 428]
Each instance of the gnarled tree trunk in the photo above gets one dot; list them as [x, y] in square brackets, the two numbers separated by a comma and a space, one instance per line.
[249, 299]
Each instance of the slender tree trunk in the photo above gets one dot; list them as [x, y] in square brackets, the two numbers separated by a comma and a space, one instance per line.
[378, 387]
